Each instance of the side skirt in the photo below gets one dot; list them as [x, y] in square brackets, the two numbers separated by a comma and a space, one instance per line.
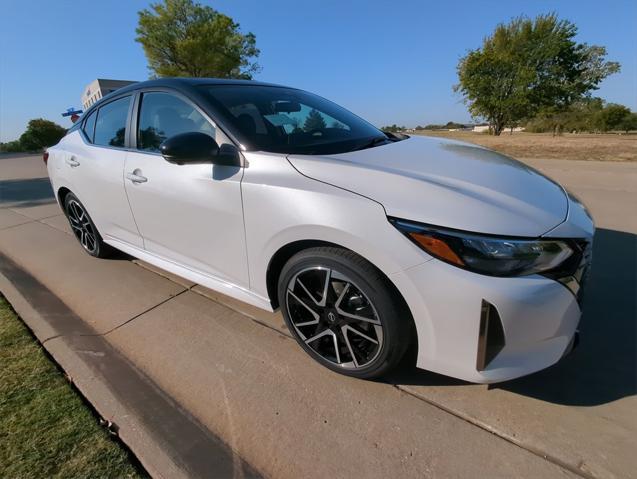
[217, 284]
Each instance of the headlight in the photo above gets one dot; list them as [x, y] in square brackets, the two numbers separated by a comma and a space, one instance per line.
[487, 254]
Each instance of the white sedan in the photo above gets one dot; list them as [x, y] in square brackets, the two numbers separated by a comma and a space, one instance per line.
[369, 242]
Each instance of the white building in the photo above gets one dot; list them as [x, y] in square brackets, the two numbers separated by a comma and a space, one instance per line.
[99, 88]
[485, 128]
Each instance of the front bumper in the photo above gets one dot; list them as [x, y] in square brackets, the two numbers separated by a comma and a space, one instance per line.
[539, 318]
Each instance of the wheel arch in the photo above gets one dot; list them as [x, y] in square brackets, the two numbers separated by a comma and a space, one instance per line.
[280, 257]
[62, 192]
[285, 252]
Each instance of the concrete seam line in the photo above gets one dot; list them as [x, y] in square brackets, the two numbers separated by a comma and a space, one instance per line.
[504, 437]
[31, 220]
[191, 288]
[252, 318]
[119, 325]
[143, 312]
[167, 439]
[15, 210]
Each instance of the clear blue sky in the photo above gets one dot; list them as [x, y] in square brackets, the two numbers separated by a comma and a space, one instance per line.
[390, 62]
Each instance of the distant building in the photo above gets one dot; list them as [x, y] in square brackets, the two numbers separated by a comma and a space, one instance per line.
[485, 128]
[100, 88]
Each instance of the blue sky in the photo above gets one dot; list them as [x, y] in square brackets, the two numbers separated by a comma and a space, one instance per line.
[390, 62]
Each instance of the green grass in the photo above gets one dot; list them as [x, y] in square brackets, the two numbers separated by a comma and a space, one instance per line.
[46, 430]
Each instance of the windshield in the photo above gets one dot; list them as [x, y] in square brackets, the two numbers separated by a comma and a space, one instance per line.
[286, 120]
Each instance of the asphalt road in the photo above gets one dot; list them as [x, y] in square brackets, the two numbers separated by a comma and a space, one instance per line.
[236, 370]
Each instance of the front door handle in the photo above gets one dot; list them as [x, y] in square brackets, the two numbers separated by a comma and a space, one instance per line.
[136, 177]
[72, 162]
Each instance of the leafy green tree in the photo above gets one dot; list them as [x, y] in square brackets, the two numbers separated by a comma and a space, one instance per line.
[629, 123]
[580, 116]
[183, 38]
[39, 134]
[611, 117]
[314, 121]
[527, 66]
[393, 128]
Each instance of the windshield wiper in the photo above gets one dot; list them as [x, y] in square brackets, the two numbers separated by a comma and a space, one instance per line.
[373, 142]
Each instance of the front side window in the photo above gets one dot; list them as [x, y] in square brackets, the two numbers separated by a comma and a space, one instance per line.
[110, 127]
[163, 115]
[286, 120]
[89, 126]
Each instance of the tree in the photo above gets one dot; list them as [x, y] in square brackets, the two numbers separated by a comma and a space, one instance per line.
[393, 128]
[629, 123]
[39, 134]
[611, 117]
[183, 38]
[527, 66]
[314, 121]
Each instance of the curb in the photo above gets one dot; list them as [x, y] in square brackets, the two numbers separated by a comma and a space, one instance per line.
[168, 442]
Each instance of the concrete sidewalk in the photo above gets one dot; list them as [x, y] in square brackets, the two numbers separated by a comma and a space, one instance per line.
[238, 374]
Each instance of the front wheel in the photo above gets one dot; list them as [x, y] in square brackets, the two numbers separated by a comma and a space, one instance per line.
[343, 312]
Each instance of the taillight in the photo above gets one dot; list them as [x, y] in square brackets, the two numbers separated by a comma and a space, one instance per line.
[45, 157]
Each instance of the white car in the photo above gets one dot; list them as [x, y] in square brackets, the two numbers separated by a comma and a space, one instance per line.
[369, 242]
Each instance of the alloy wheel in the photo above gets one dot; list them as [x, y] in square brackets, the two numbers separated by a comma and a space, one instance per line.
[334, 318]
[82, 226]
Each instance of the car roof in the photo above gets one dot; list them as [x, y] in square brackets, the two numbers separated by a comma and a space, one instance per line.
[186, 83]
[180, 84]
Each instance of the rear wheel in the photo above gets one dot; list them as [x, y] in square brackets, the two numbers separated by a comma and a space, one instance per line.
[343, 312]
[84, 229]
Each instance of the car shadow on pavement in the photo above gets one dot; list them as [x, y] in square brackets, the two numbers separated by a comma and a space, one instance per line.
[26, 192]
[604, 366]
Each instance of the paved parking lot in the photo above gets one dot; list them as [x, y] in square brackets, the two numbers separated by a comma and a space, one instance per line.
[236, 370]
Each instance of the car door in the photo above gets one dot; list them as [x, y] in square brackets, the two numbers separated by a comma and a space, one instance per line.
[191, 214]
[94, 165]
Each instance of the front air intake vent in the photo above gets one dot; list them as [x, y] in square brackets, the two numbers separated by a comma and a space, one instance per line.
[491, 335]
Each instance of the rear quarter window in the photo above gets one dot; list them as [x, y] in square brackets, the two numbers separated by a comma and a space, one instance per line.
[110, 125]
[88, 126]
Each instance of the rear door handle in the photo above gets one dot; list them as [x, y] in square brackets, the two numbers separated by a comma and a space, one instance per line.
[72, 162]
[136, 177]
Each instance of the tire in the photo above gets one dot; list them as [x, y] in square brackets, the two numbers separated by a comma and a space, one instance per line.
[84, 229]
[332, 297]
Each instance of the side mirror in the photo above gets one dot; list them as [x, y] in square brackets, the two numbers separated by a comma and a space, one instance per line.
[197, 147]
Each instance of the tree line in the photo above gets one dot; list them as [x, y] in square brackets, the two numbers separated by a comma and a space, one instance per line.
[588, 115]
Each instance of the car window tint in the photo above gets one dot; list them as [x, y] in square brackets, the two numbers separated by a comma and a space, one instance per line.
[163, 115]
[89, 126]
[286, 120]
[110, 127]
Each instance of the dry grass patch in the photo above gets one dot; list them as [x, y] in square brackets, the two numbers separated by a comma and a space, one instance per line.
[540, 145]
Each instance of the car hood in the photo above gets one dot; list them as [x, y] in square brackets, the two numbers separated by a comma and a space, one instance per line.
[446, 183]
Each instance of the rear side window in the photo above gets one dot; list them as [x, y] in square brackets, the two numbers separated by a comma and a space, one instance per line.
[163, 115]
[110, 126]
[89, 126]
